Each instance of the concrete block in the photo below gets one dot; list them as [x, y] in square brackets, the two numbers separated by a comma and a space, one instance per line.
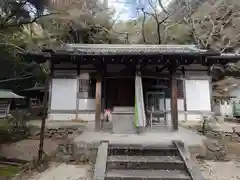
[101, 162]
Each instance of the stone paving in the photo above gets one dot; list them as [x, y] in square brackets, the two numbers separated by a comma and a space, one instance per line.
[189, 137]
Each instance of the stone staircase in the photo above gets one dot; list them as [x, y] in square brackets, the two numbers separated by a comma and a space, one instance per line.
[134, 162]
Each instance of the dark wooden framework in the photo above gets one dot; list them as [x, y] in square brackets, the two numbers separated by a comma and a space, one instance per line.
[171, 62]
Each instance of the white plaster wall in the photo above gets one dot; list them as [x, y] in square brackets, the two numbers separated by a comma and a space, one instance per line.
[61, 117]
[64, 94]
[181, 115]
[86, 116]
[180, 103]
[198, 95]
[187, 117]
[64, 97]
[68, 117]
[235, 92]
[87, 104]
[198, 100]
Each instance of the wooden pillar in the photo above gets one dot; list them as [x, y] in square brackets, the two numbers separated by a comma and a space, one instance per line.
[50, 85]
[184, 93]
[104, 104]
[174, 106]
[98, 102]
[184, 99]
[77, 95]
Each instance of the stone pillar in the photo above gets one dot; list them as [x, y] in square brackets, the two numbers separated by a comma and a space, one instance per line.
[174, 106]
[98, 103]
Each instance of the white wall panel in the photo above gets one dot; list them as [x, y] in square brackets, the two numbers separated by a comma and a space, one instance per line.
[198, 95]
[180, 103]
[188, 117]
[235, 92]
[61, 117]
[69, 117]
[87, 104]
[86, 116]
[64, 94]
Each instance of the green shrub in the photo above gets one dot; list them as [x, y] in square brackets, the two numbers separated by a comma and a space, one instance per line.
[14, 128]
[9, 171]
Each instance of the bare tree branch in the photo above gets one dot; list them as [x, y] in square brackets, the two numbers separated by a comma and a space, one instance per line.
[155, 16]
[197, 38]
[161, 5]
[166, 30]
[209, 39]
[209, 31]
[228, 45]
[5, 26]
[12, 45]
[143, 26]
[115, 20]
[27, 76]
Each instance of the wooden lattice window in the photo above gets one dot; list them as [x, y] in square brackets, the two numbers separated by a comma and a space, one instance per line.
[3, 108]
[180, 88]
[87, 88]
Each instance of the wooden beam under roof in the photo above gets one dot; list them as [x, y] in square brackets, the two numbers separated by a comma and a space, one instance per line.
[156, 58]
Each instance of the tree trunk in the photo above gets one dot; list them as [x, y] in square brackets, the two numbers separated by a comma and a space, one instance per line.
[44, 116]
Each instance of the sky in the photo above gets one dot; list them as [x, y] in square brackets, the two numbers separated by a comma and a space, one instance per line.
[127, 9]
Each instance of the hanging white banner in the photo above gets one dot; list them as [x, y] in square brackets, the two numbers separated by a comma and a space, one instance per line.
[140, 117]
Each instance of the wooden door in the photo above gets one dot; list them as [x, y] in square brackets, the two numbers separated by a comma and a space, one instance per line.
[126, 93]
[120, 92]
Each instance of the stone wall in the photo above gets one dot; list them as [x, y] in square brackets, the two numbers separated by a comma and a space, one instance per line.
[70, 151]
[57, 132]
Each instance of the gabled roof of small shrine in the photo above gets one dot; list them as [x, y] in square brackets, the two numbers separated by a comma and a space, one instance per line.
[227, 84]
[8, 94]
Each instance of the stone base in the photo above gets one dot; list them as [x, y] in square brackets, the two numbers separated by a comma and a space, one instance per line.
[77, 152]
[123, 120]
[123, 123]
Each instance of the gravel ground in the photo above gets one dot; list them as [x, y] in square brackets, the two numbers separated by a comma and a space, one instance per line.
[220, 170]
[64, 172]
[27, 149]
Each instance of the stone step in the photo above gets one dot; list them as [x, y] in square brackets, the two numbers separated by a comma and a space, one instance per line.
[146, 174]
[161, 123]
[145, 162]
[148, 150]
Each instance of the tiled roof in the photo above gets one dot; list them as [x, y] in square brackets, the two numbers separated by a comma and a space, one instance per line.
[129, 48]
[37, 88]
[7, 94]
